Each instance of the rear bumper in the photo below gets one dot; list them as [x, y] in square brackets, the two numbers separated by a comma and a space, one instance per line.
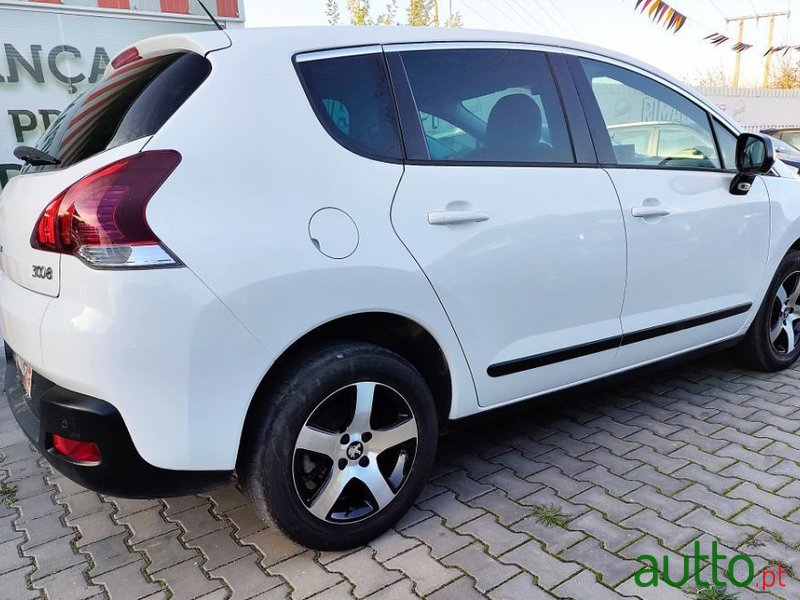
[121, 471]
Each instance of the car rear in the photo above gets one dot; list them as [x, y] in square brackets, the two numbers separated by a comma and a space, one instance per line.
[100, 318]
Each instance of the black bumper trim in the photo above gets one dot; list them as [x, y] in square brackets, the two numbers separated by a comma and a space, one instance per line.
[122, 471]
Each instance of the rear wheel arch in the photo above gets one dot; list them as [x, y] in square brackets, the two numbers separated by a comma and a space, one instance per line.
[399, 334]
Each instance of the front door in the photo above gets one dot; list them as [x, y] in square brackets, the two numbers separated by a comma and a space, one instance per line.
[524, 245]
[696, 253]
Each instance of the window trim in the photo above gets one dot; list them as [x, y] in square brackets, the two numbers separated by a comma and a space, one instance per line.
[598, 126]
[329, 54]
[408, 110]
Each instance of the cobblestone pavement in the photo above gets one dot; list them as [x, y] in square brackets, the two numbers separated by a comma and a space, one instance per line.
[700, 452]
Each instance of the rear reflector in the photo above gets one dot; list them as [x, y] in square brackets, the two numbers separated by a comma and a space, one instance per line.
[88, 452]
[101, 218]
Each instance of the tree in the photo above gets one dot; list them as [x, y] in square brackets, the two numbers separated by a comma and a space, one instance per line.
[454, 20]
[786, 76]
[388, 18]
[332, 12]
[715, 76]
[359, 12]
[420, 13]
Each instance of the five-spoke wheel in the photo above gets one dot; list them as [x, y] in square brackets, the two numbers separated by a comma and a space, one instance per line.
[340, 449]
[785, 317]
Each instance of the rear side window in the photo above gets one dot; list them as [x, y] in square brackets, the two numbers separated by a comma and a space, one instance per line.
[488, 106]
[132, 103]
[353, 100]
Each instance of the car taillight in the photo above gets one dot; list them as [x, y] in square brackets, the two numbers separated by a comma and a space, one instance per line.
[126, 57]
[101, 218]
[86, 452]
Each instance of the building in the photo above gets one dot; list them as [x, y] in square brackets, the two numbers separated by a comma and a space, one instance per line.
[52, 50]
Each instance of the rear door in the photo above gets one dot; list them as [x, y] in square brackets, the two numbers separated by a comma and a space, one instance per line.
[505, 210]
[111, 120]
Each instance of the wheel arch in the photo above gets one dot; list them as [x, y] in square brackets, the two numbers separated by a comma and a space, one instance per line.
[397, 333]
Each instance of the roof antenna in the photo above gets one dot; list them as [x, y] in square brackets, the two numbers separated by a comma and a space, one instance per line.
[210, 16]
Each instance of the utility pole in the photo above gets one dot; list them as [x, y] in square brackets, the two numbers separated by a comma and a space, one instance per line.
[756, 17]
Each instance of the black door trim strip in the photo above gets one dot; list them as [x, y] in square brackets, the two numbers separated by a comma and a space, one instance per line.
[548, 358]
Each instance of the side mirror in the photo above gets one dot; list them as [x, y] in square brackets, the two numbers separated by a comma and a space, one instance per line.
[755, 155]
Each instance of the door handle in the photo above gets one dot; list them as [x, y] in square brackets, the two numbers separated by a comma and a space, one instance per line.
[650, 211]
[455, 217]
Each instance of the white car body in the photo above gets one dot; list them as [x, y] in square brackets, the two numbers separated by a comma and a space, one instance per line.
[181, 352]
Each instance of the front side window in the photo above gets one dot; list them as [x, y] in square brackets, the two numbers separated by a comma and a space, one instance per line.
[353, 100]
[727, 145]
[488, 105]
[651, 125]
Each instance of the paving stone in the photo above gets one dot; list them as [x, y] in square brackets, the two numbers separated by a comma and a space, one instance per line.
[10, 559]
[175, 506]
[453, 511]
[615, 428]
[757, 516]
[666, 506]
[708, 461]
[128, 506]
[521, 586]
[498, 539]
[612, 569]
[774, 503]
[713, 481]
[757, 460]
[514, 486]
[603, 477]
[662, 462]
[95, 527]
[127, 582]
[245, 520]
[246, 579]
[727, 533]
[723, 506]
[667, 484]
[363, 571]
[146, 524]
[69, 584]
[520, 465]
[485, 570]
[390, 544]
[555, 479]
[44, 529]
[555, 539]
[660, 444]
[196, 522]
[568, 465]
[413, 516]
[705, 443]
[585, 585]
[165, 551]
[549, 571]
[85, 503]
[761, 479]
[461, 589]
[227, 498]
[13, 587]
[739, 439]
[671, 535]
[441, 540]
[660, 592]
[8, 529]
[426, 573]
[657, 426]
[187, 580]
[37, 506]
[54, 556]
[465, 488]
[507, 511]
[219, 548]
[614, 444]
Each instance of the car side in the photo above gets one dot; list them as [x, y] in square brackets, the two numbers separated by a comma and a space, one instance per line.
[389, 230]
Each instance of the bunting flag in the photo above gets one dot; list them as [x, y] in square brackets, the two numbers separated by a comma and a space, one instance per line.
[776, 49]
[741, 47]
[717, 39]
[662, 14]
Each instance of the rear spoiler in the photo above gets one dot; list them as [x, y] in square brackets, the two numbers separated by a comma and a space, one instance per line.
[199, 43]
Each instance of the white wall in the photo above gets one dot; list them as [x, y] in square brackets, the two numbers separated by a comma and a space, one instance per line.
[755, 108]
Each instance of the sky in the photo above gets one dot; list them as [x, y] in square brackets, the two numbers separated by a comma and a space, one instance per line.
[610, 23]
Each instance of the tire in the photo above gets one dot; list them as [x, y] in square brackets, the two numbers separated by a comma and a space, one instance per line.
[307, 465]
[779, 312]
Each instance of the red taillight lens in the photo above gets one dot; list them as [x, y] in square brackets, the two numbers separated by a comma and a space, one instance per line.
[126, 57]
[78, 451]
[101, 218]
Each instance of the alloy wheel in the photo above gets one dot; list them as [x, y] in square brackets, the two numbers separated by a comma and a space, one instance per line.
[354, 452]
[784, 329]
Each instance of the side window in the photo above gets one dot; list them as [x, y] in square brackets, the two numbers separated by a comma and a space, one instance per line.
[792, 138]
[488, 105]
[634, 106]
[727, 145]
[353, 100]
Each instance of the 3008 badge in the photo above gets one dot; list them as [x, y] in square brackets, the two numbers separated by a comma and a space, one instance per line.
[42, 272]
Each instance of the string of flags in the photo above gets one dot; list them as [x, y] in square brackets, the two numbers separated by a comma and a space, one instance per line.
[662, 14]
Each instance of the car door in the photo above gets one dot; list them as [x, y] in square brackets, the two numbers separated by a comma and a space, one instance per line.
[696, 253]
[505, 210]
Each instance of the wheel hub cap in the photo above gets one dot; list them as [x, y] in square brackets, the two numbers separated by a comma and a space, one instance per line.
[355, 450]
[784, 324]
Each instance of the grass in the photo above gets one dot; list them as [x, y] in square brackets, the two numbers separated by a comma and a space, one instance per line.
[714, 593]
[8, 494]
[550, 515]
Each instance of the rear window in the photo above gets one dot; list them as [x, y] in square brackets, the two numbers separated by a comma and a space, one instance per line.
[134, 102]
[353, 99]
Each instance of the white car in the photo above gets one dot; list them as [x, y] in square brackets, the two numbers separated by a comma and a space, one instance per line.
[294, 255]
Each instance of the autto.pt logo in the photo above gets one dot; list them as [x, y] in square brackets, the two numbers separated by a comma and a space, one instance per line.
[737, 570]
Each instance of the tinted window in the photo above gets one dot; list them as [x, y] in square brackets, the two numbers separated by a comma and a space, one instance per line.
[630, 101]
[791, 137]
[133, 102]
[352, 98]
[727, 145]
[498, 106]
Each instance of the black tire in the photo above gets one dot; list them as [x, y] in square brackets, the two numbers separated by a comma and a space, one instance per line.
[315, 390]
[758, 351]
